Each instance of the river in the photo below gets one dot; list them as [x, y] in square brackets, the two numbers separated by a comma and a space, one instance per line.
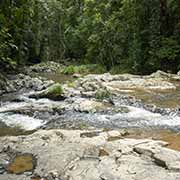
[25, 115]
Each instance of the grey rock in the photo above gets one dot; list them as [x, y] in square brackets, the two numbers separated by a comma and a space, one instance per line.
[45, 67]
[178, 73]
[77, 158]
[116, 84]
[2, 169]
[168, 158]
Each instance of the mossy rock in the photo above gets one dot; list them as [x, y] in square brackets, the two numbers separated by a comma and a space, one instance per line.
[102, 94]
[71, 84]
[54, 92]
[70, 70]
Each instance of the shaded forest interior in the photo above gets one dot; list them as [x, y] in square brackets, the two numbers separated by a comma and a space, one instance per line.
[135, 36]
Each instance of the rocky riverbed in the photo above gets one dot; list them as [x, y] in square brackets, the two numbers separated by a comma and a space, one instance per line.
[99, 117]
[94, 155]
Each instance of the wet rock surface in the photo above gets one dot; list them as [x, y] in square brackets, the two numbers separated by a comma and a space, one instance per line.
[64, 154]
[21, 163]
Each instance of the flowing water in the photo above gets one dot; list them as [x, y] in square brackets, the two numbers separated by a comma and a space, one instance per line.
[24, 115]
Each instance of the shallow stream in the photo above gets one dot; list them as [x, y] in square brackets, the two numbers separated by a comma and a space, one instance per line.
[24, 115]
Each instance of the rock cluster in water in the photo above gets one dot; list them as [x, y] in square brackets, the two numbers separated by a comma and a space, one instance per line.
[94, 100]
[45, 67]
[24, 82]
[126, 82]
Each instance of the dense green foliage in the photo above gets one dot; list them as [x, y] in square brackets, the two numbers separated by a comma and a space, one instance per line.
[30, 32]
[138, 36]
[84, 69]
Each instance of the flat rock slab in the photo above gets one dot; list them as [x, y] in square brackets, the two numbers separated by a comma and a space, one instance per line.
[126, 82]
[67, 155]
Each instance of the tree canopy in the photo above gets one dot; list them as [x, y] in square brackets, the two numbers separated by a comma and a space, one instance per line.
[138, 36]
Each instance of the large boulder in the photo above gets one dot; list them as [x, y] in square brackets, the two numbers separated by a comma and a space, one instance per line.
[178, 73]
[160, 74]
[54, 92]
[34, 83]
[165, 76]
[18, 82]
[164, 157]
[45, 67]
